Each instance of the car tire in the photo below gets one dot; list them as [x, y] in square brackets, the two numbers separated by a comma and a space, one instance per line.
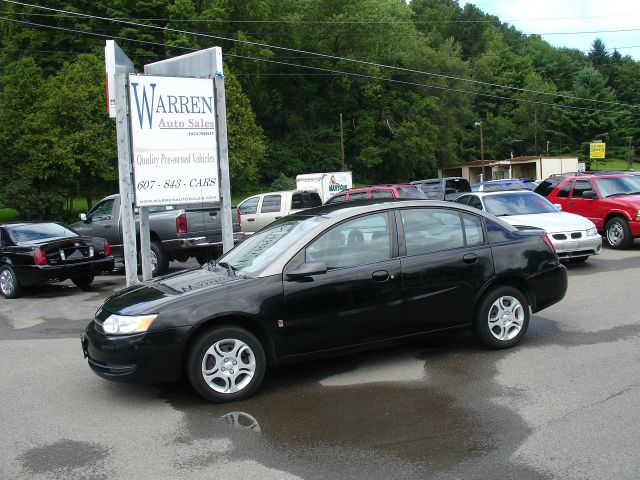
[9, 285]
[617, 233]
[226, 364]
[502, 318]
[159, 260]
[83, 282]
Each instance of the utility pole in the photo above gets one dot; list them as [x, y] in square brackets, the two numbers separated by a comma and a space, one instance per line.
[479, 124]
[629, 154]
[341, 143]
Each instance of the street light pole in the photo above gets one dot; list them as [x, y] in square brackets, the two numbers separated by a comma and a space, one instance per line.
[479, 124]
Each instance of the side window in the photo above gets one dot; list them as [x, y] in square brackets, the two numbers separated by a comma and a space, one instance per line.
[102, 211]
[431, 229]
[356, 242]
[564, 191]
[337, 199]
[473, 229]
[271, 203]
[386, 193]
[249, 206]
[579, 187]
[358, 195]
[475, 202]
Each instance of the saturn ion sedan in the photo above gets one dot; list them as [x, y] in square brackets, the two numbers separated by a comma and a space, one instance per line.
[574, 237]
[328, 280]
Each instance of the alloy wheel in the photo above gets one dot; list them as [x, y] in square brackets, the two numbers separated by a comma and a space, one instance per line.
[228, 366]
[506, 317]
[6, 282]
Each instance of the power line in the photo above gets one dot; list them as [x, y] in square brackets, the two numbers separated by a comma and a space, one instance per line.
[322, 55]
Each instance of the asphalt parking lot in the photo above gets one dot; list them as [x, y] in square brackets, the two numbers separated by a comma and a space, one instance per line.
[564, 403]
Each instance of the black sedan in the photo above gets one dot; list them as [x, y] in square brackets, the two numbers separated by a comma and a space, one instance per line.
[324, 281]
[44, 252]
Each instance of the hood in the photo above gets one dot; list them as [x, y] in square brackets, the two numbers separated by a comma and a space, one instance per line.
[148, 296]
[632, 201]
[552, 222]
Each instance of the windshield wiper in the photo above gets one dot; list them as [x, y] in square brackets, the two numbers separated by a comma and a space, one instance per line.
[230, 269]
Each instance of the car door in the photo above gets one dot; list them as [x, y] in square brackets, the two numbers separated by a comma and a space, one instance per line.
[248, 211]
[445, 261]
[579, 205]
[270, 209]
[358, 299]
[102, 221]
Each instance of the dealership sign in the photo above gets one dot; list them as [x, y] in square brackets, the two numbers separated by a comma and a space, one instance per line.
[173, 132]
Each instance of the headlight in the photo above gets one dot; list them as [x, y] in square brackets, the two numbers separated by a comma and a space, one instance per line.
[638, 216]
[592, 232]
[124, 324]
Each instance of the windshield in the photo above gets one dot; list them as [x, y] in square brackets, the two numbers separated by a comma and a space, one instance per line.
[35, 232]
[517, 203]
[259, 250]
[617, 185]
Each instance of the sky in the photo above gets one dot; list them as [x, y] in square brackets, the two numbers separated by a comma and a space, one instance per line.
[559, 16]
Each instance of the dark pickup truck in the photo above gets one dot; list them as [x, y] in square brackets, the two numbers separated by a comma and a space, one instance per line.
[177, 232]
[447, 188]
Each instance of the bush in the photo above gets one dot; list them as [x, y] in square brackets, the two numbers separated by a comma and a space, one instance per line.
[34, 202]
[283, 183]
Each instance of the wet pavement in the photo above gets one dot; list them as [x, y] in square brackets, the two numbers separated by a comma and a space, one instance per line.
[562, 404]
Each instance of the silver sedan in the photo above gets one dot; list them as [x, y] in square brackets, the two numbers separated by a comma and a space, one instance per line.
[574, 237]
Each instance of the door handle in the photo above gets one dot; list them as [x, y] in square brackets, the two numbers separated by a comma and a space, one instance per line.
[213, 214]
[470, 258]
[380, 276]
[251, 219]
[107, 226]
[570, 203]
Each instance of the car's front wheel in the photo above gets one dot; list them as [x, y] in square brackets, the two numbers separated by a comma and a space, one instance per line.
[159, 260]
[502, 318]
[226, 363]
[9, 285]
[618, 233]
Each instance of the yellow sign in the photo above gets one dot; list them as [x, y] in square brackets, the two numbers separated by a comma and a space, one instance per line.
[596, 150]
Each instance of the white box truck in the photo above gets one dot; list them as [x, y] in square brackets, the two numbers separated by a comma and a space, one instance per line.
[326, 184]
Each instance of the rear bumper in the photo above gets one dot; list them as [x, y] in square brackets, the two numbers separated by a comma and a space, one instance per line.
[547, 287]
[196, 242]
[38, 274]
[151, 357]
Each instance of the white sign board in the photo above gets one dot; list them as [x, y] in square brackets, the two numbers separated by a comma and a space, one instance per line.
[582, 167]
[175, 158]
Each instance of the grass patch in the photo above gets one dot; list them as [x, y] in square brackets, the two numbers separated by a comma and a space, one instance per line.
[8, 214]
[612, 164]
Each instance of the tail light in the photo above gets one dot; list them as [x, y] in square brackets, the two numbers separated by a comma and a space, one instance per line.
[546, 240]
[181, 223]
[107, 249]
[239, 217]
[39, 256]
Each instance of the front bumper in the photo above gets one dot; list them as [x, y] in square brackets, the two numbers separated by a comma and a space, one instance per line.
[582, 246]
[39, 274]
[151, 357]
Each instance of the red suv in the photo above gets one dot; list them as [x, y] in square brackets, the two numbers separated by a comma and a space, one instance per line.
[611, 201]
[378, 191]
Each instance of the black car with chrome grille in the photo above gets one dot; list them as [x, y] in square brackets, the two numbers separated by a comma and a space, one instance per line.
[33, 253]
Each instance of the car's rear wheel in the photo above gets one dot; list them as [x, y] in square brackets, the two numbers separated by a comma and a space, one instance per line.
[226, 363]
[618, 233]
[159, 260]
[502, 318]
[83, 281]
[9, 285]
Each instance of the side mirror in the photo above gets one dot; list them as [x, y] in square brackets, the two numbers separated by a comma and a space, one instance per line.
[590, 194]
[307, 269]
[83, 217]
[558, 206]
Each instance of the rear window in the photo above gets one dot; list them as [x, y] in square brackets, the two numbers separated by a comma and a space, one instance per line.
[305, 200]
[39, 231]
[546, 187]
[459, 185]
[431, 190]
[410, 192]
